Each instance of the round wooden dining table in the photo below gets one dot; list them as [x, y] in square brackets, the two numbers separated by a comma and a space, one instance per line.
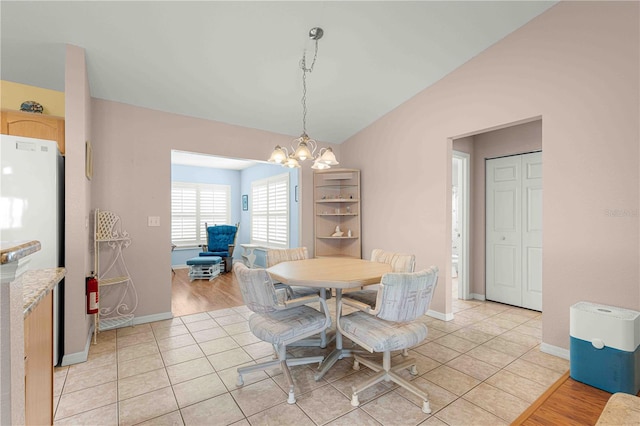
[330, 272]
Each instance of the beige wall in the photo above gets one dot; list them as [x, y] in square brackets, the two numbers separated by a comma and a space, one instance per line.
[78, 259]
[576, 67]
[132, 177]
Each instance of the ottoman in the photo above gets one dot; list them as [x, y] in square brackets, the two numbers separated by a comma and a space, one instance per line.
[206, 267]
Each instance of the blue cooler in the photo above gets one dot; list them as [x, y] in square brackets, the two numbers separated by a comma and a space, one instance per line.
[605, 347]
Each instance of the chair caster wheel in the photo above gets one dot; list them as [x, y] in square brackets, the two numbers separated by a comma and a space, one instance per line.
[426, 407]
[239, 382]
[356, 365]
[292, 398]
[413, 370]
[354, 400]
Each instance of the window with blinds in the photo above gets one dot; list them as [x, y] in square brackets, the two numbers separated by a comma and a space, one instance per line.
[270, 211]
[193, 205]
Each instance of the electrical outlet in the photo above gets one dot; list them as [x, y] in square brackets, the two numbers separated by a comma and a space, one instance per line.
[153, 221]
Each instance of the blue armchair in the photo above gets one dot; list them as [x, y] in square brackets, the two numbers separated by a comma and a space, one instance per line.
[221, 240]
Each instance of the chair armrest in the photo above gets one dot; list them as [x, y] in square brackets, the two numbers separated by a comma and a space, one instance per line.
[364, 307]
[301, 301]
[355, 304]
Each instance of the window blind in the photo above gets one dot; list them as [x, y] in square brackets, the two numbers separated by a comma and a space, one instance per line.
[270, 211]
[193, 204]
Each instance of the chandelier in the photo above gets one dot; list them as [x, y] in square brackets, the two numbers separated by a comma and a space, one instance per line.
[305, 147]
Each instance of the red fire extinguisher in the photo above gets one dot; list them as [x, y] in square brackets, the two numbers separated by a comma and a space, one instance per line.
[92, 295]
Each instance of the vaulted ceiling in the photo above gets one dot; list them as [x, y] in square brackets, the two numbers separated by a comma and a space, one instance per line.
[238, 62]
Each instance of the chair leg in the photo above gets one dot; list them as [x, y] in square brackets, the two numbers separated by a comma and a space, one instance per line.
[426, 408]
[291, 399]
[376, 378]
[284, 366]
[302, 361]
[255, 367]
[371, 364]
[386, 372]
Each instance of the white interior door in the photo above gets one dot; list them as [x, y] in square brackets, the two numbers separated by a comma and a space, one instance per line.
[532, 231]
[514, 230]
[504, 236]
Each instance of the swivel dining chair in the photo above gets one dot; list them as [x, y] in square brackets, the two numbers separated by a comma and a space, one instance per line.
[399, 263]
[275, 256]
[278, 322]
[403, 297]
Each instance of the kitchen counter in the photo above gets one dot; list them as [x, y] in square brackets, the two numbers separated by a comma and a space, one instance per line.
[26, 323]
[37, 284]
[11, 251]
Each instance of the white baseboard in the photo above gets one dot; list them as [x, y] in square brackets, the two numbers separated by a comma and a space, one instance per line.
[152, 318]
[78, 357]
[439, 315]
[477, 296]
[183, 266]
[554, 350]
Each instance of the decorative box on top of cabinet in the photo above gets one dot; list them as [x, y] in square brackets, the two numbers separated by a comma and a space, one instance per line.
[337, 207]
[33, 125]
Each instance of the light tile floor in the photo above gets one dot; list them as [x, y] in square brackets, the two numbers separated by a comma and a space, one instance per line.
[484, 367]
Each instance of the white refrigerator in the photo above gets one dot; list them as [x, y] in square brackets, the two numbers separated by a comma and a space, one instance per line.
[32, 207]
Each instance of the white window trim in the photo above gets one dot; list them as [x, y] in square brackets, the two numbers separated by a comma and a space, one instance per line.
[200, 234]
[272, 240]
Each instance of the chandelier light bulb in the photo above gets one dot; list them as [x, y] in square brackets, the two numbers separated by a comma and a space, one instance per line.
[317, 165]
[278, 155]
[328, 158]
[292, 163]
[302, 152]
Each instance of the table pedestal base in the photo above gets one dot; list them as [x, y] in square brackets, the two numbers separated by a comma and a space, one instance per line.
[339, 352]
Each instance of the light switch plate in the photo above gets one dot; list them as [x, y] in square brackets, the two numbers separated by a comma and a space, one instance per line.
[153, 221]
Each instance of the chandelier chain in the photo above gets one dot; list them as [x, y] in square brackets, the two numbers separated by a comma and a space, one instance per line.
[305, 147]
[305, 70]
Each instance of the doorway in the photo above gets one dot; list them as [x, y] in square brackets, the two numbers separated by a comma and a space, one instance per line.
[514, 230]
[460, 225]
[211, 175]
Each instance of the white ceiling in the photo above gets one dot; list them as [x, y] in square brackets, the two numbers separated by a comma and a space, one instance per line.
[238, 62]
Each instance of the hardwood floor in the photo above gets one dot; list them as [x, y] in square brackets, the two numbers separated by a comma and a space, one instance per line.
[567, 402]
[203, 295]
